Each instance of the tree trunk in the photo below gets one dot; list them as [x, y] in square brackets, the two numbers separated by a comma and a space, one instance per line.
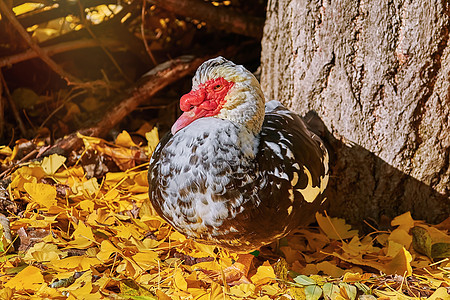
[377, 74]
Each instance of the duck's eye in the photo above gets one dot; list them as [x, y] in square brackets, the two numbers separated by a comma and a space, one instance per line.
[218, 87]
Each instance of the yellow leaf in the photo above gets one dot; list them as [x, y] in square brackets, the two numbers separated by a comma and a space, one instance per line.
[126, 231]
[42, 194]
[355, 247]
[400, 264]
[440, 293]
[106, 249]
[24, 8]
[271, 289]
[82, 292]
[114, 177]
[298, 293]
[207, 265]
[66, 175]
[29, 279]
[29, 173]
[78, 263]
[34, 222]
[41, 252]
[402, 237]
[124, 140]
[404, 221]
[146, 259]
[217, 292]
[83, 236]
[87, 205]
[6, 293]
[330, 269]
[89, 141]
[162, 296]
[354, 277]
[5, 150]
[310, 269]
[152, 139]
[209, 249]
[88, 187]
[393, 248]
[263, 275]
[335, 228]
[52, 163]
[243, 290]
[176, 236]
[179, 280]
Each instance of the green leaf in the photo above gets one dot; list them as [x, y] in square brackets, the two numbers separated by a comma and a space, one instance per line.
[304, 280]
[350, 289]
[440, 250]
[330, 291]
[421, 240]
[367, 297]
[313, 292]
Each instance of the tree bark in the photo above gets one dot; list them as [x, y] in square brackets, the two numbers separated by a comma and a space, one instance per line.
[377, 73]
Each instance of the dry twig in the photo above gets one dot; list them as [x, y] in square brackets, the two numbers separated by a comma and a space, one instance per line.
[91, 33]
[12, 105]
[222, 18]
[59, 48]
[8, 14]
[147, 48]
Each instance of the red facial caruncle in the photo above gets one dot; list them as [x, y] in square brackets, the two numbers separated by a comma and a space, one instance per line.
[206, 101]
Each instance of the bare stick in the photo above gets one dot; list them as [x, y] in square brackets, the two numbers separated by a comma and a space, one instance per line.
[143, 33]
[12, 105]
[219, 17]
[89, 30]
[59, 48]
[8, 14]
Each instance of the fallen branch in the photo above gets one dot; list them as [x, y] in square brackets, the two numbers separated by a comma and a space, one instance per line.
[222, 18]
[8, 14]
[55, 49]
[152, 82]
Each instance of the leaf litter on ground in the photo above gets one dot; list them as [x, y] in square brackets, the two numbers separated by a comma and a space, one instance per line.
[83, 228]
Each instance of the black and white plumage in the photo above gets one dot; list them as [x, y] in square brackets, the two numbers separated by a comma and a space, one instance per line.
[236, 172]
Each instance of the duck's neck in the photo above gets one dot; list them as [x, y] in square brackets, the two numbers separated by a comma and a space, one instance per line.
[245, 107]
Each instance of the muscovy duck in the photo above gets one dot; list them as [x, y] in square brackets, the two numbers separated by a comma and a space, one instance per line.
[234, 171]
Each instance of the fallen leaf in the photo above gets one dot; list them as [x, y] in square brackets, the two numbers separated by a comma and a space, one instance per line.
[179, 280]
[313, 292]
[152, 139]
[124, 139]
[421, 240]
[404, 221]
[243, 290]
[83, 236]
[440, 250]
[401, 237]
[51, 164]
[264, 274]
[304, 280]
[42, 194]
[29, 279]
[335, 228]
[440, 294]
[400, 264]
